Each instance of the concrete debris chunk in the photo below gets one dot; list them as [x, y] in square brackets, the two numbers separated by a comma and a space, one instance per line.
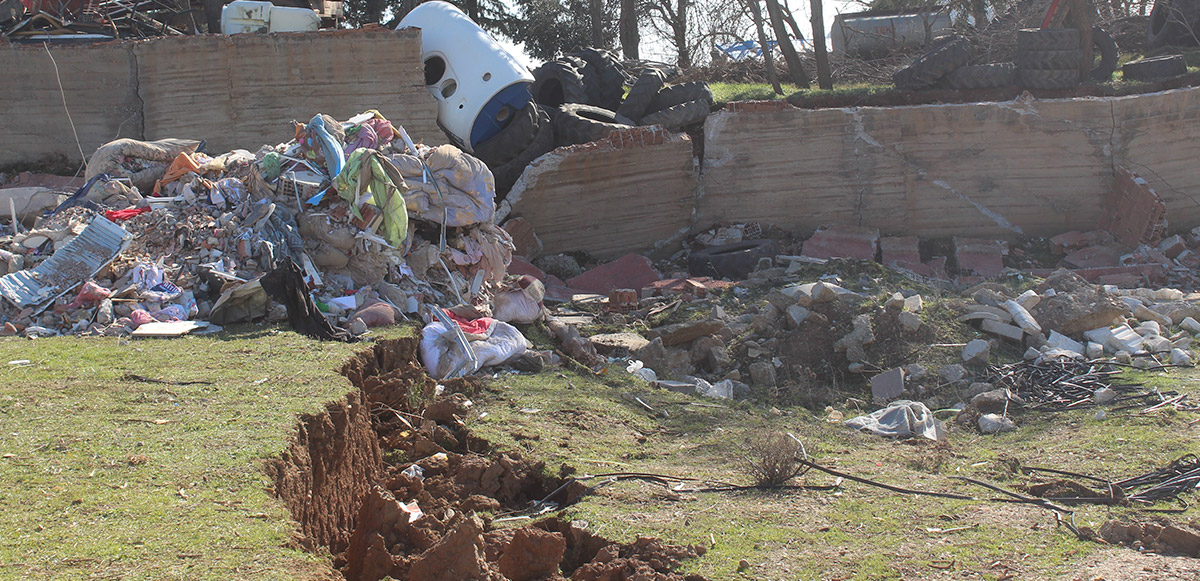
[1149, 329]
[1180, 357]
[680, 333]
[952, 373]
[1156, 344]
[854, 341]
[1059, 341]
[996, 401]
[976, 351]
[797, 315]
[1029, 299]
[762, 374]
[1094, 350]
[909, 321]
[1007, 331]
[888, 385]
[896, 301]
[1190, 325]
[1176, 311]
[1022, 318]
[1144, 313]
[1124, 338]
[994, 424]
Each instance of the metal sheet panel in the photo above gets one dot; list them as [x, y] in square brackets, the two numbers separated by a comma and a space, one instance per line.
[69, 267]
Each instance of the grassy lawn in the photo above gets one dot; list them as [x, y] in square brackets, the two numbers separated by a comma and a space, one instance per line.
[111, 476]
[107, 475]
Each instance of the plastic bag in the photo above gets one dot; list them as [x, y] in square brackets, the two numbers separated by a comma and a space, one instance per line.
[522, 303]
[442, 354]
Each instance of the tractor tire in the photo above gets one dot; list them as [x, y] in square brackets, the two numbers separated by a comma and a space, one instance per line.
[982, 76]
[679, 116]
[732, 261]
[514, 138]
[672, 95]
[603, 78]
[576, 123]
[506, 175]
[1049, 60]
[1104, 45]
[1155, 68]
[1048, 79]
[558, 82]
[640, 95]
[1048, 39]
[1173, 23]
[947, 54]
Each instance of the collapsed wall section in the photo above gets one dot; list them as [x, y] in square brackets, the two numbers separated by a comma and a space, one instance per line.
[240, 91]
[99, 84]
[1158, 137]
[633, 191]
[237, 91]
[994, 169]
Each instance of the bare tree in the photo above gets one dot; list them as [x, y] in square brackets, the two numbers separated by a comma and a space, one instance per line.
[795, 67]
[627, 26]
[768, 58]
[672, 17]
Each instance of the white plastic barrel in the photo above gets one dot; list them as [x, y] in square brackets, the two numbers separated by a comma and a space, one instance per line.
[241, 16]
[478, 85]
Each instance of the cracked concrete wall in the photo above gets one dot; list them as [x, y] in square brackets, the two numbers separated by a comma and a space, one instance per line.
[1157, 136]
[99, 83]
[631, 192]
[238, 91]
[241, 91]
[987, 169]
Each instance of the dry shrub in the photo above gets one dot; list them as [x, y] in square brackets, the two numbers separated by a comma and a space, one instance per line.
[770, 459]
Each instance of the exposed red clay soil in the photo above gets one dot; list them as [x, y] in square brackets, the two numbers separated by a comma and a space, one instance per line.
[364, 509]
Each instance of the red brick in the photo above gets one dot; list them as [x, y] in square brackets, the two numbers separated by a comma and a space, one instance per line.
[842, 242]
[902, 251]
[1095, 257]
[521, 266]
[1134, 213]
[524, 238]
[1070, 241]
[629, 271]
[979, 256]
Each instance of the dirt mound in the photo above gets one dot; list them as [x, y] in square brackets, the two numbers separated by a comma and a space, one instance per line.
[1162, 537]
[422, 511]
[324, 473]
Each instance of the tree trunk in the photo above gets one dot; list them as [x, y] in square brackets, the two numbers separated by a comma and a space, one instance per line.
[679, 27]
[212, 15]
[596, 13]
[824, 79]
[791, 22]
[768, 60]
[795, 67]
[628, 29]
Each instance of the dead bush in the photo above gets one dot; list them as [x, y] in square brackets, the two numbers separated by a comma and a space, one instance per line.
[770, 459]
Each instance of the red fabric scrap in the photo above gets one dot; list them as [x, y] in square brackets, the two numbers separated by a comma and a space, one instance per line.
[477, 327]
[127, 213]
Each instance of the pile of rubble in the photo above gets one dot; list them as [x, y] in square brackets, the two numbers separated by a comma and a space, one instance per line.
[164, 237]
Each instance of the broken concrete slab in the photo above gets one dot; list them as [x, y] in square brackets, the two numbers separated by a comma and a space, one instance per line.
[1010, 332]
[976, 351]
[609, 343]
[1134, 213]
[629, 271]
[525, 240]
[839, 241]
[1096, 256]
[979, 256]
[1076, 306]
[680, 333]
[888, 385]
[649, 184]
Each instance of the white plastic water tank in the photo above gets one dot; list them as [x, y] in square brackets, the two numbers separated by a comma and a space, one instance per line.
[478, 85]
[241, 16]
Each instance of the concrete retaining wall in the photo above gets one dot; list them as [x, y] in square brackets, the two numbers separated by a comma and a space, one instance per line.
[983, 169]
[236, 91]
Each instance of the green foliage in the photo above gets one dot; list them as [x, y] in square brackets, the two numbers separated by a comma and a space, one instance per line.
[549, 28]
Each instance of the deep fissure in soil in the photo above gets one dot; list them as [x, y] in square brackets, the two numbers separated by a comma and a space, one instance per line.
[349, 479]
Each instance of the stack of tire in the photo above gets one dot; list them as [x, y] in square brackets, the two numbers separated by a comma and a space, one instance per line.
[947, 64]
[1048, 58]
[1173, 23]
[577, 99]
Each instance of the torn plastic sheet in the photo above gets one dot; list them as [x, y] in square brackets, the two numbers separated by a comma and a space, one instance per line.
[899, 419]
[70, 266]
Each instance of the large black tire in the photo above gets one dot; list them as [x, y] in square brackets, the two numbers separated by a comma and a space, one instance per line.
[672, 95]
[640, 95]
[513, 138]
[576, 123]
[733, 261]
[982, 76]
[679, 116]
[1048, 39]
[947, 55]
[1173, 23]
[603, 78]
[558, 82]
[1048, 60]
[1104, 45]
[507, 174]
[1048, 79]
[1155, 68]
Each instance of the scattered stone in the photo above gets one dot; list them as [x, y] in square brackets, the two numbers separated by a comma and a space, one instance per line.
[618, 343]
[1029, 299]
[797, 315]
[915, 371]
[976, 351]
[1144, 313]
[681, 333]
[888, 385]
[1123, 357]
[762, 373]
[1190, 325]
[914, 303]
[896, 301]
[1059, 341]
[996, 401]
[952, 373]
[1180, 357]
[1094, 350]
[909, 321]
[976, 388]
[1184, 343]
[1157, 344]
[1149, 329]
[1031, 354]
[1176, 311]
[994, 424]
[852, 344]
[1104, 395]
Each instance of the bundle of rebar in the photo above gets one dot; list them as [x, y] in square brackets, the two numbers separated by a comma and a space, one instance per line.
[1063, 383]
